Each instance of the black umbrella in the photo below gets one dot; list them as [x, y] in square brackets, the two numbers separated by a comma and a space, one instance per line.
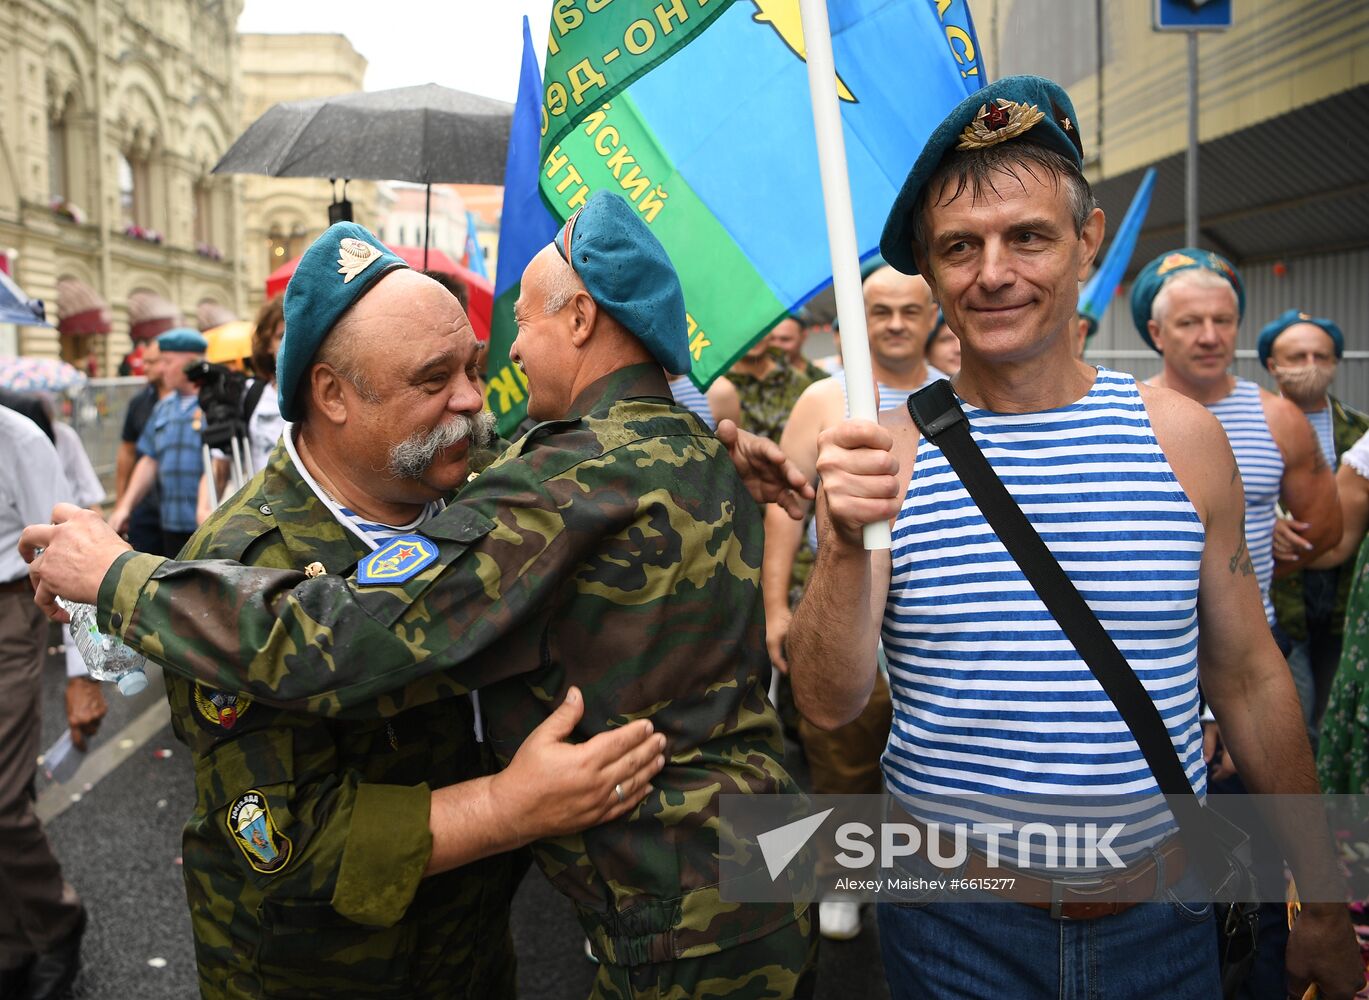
[426, 134]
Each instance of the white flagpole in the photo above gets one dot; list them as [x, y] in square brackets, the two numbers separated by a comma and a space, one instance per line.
[841, 228]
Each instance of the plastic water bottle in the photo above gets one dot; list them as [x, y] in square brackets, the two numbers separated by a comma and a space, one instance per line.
[107, 658]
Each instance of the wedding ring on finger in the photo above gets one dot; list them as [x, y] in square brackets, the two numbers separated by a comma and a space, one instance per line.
[618, 791]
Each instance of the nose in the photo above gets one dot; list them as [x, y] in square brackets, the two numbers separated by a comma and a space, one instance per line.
[465, 397]
[995, 267]
[1208, 332]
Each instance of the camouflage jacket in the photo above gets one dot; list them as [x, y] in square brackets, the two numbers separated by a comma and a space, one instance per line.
[1295, 595]
[304, 858]
[767, 402]
[615, 549]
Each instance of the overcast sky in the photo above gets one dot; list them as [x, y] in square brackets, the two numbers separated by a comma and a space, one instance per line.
[471, 45]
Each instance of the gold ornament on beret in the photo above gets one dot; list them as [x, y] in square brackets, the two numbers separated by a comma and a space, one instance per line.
[997, 122]
[354, 257]
[1173, 262]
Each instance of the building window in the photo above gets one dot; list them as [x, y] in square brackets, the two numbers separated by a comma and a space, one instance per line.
[133, 192]
[58, 189]
[204, 214]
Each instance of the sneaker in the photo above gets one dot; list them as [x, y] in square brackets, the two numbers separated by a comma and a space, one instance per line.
[839, 919]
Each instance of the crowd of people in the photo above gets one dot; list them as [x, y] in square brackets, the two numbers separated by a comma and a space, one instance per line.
[419, 650]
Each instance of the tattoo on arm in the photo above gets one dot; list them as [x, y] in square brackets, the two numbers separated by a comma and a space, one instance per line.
[1240, 559]
[1318, 460]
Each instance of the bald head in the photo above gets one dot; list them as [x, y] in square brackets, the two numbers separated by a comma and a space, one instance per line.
[385, 320]
[899, 315]
[887, 281]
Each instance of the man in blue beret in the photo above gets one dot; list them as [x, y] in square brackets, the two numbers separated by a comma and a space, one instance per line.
[380, 842]
[170, 455]
[1135, 492]
[1187, 305]
[1302, 352]
[610, 552]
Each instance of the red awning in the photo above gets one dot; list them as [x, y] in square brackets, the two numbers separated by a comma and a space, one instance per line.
[150, 315]
[80, 310]
[480, 291]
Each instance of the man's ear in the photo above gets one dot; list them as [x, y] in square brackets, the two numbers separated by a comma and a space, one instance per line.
[584, 312]
[325, 393]
[1154, 329]
[1092, 235]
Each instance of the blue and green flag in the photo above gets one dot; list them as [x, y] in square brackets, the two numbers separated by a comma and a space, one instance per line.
[525, 227]
[698, 112]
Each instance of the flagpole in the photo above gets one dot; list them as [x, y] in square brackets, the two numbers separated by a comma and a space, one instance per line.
[841, 228]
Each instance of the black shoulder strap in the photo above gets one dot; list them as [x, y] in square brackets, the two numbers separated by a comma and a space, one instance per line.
[253, 397]
[938, 416]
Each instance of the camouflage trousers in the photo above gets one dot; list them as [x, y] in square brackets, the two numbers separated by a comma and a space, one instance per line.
[780, 966]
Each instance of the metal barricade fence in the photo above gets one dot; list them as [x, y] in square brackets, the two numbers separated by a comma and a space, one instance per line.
[97, 414]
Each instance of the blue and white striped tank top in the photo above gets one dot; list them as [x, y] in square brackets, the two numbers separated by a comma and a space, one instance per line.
[1261, 463]
[989, 695]
[687, 394]
[1326, 435]
[889, 397]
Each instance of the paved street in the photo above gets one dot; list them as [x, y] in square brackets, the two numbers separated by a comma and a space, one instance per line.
[119, 843]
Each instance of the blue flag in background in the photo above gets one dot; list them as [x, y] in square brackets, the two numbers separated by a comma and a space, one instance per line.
[525, 227]
[475, 257]
[1100, 290]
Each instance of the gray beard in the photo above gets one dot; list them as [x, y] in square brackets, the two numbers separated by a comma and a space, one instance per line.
[410, 458]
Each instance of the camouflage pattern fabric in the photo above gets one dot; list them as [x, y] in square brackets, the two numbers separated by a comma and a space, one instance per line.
[325, 896]
[1289, 593]
[767, 402]
[616, 550]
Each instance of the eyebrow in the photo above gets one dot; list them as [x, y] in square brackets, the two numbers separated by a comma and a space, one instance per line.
[437, 360]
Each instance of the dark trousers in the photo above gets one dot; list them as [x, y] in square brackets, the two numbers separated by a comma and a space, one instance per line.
[173, 542]
[38, 910]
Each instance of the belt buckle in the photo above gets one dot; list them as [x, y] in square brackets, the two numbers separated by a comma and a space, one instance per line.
[1078, 884]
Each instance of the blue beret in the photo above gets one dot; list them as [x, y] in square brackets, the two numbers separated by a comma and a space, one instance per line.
[183, 339]
[1154, 275]
[1028, 107]
[627, 272]
[338, 269]
[1291, 318]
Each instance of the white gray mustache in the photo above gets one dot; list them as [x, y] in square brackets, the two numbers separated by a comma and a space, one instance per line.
[410, 458]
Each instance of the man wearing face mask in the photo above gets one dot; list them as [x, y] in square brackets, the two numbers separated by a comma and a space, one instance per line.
[1302, 353]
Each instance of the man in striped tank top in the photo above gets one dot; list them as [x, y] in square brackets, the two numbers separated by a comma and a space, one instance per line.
[899, 315]
[1302, 352]
[1135, 490]
[1187, 304]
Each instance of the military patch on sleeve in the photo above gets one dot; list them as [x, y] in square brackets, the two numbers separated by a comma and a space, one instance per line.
[252, 829]
[219, 708]
[402, 559]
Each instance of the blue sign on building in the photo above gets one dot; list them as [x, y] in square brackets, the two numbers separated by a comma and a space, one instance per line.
[1193, 15]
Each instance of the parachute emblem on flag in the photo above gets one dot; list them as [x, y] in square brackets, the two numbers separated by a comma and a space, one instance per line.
[783, 16]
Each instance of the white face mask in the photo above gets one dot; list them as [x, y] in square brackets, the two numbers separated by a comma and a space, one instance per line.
[1305, 383]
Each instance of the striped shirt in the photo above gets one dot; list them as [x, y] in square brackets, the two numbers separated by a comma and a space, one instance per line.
[1241, 415]
[1326, 437]
[688, 395]
[990, 697]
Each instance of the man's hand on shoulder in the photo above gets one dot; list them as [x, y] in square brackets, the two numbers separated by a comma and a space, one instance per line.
[768, 475]
[554, 787]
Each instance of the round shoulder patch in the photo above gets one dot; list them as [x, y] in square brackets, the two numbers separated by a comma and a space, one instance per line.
[219, 709]
[254, 831]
